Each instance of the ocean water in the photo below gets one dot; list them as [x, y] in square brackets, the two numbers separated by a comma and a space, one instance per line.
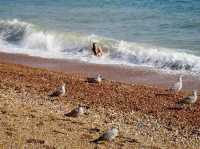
[160, 34]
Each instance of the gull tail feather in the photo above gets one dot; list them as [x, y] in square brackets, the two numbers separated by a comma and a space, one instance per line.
[53, 94]
[71, 114]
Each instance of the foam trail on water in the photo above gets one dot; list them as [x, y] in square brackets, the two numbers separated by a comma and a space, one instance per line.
[22, 37]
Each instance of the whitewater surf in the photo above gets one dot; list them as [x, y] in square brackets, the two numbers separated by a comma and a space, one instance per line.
[26, 38]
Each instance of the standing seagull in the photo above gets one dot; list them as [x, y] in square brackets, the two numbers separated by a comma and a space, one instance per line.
[99, 78]
[60, 91]
[109, 135]
[178, 85]
[189, 99]
[80, 110]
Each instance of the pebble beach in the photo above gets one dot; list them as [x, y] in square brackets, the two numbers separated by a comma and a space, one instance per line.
[145, 114]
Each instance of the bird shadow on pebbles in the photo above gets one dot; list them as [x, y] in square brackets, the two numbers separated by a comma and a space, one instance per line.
[129, 140]
[35, 141]
[167, 93]
[93, 130]
[174, 108]
[70, 120]
[90, 80]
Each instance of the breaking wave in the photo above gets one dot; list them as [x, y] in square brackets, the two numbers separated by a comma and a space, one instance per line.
[22, 37]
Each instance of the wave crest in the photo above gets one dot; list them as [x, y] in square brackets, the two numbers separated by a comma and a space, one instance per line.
[70, 45]
[13, 31]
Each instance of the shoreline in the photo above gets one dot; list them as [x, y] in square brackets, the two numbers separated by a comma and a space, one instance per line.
[125, 74]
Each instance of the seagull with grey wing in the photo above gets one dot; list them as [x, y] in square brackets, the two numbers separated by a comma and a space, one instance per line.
[178, 85]
[97, 79]
[189, 100]
[109, 135]
[60, 91]
[78, 111]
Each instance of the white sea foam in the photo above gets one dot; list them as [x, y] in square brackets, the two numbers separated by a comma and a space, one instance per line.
[22, 37]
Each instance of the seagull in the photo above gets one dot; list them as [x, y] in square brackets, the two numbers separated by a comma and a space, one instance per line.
[189, 99]
[60, 91]
[178, 85]
[99, 78]
[80, 110]
[109, 135]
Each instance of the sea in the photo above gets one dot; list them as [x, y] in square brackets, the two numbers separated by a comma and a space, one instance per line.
[159, 34]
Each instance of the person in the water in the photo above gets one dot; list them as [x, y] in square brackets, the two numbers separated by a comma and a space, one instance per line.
[97, 50]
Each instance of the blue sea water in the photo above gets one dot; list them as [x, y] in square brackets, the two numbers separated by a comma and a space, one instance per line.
[163, 34]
